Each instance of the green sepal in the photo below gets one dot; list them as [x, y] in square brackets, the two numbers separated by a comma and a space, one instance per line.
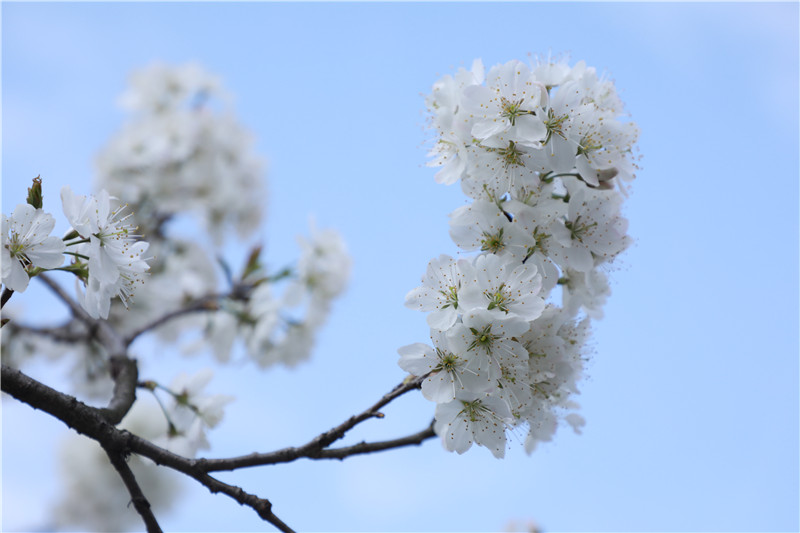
[35, 193]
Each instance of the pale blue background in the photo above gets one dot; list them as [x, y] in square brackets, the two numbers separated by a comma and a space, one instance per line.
[692, 394]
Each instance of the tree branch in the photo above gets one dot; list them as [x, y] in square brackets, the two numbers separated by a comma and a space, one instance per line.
[93, 423]
[316, 448]
[370, 447]
[141, 504]
[88, 421]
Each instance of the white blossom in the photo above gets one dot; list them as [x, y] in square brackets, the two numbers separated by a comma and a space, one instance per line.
[324, 265]
[592, 232]
[116, 262]
[488, 342]
[504, 287]
[191, 412]
[448, 369]
[469, 418]
[439, 292]
[484, 226]
[180, 155]
[508, 107]
[27, 243]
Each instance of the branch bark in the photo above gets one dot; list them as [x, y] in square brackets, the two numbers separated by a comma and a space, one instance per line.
[88, 421]
[117, 443]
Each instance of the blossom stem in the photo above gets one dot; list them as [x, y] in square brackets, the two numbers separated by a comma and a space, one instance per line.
[75, 254]
[148, 386]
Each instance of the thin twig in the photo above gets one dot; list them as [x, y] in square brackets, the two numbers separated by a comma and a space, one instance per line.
[61, 333]
[371, 447]
[316, 448]
[209, 302]
[137, 496]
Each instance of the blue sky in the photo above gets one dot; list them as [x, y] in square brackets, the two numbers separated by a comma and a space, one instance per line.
[691, 399]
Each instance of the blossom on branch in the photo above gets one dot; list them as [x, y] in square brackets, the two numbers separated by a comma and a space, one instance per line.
[116, 259]
[542, 153]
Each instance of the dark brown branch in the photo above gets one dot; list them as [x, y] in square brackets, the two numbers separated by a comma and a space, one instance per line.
[316, 448]
[138, 499]
[88, 421]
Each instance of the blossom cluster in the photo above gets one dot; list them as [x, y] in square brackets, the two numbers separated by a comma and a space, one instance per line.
[107, 254]
[545, 159]
[281, 328]
[178, 154]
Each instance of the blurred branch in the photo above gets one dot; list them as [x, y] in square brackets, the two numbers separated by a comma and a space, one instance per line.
[206, 303]
[124, 370]
[64, 333]
[239, 291]
[75, 308]
[138, 499]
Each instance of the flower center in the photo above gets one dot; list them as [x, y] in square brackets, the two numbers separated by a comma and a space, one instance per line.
[483, 339]
[588, 144]
[451, 297]
[498, 299]
[511, 155]
[492, 242]
[447, 361]
[577, 230]
[474, 410]
[510, 110]
[554, 125]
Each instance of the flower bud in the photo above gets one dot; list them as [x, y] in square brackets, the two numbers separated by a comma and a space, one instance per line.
[35, 193]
